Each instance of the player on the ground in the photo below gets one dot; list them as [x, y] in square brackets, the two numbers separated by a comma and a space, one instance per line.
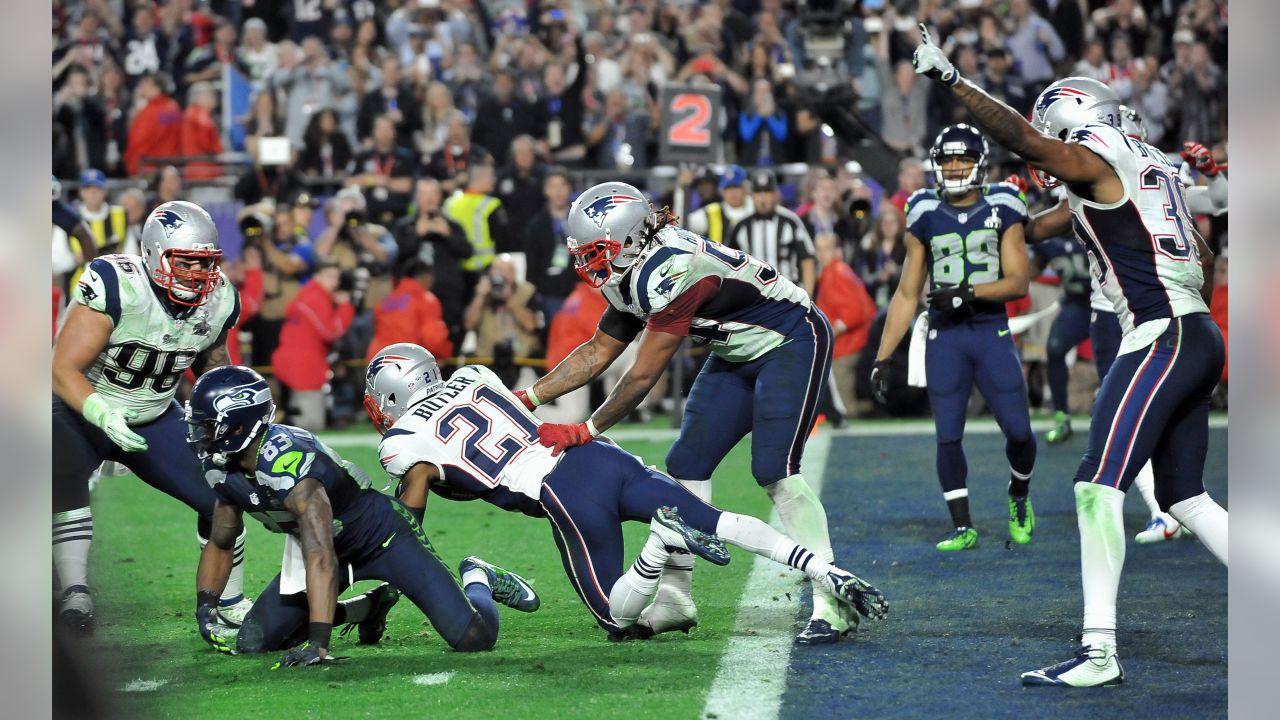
[1130, 212]
[345, 530]
[770, 354]
[136, 324]
[966, 236]
[1104, 326]
[471, 437]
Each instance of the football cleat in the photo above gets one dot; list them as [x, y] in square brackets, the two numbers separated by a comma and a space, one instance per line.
[1061, 430]
[677, 535]
[1089, 668]
[960, 539]
[508, 588]
[1160, 528]
[631, 632]
[671, 610]
[1022, 520]
[76, 613]
[856, 593]
[819, 632]
[371, 629]
[232, 615]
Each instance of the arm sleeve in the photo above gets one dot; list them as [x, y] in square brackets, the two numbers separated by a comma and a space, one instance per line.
[677, 316]
[619, 325]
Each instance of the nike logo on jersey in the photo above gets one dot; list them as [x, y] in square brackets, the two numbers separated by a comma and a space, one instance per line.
[388, 542]
[1002, 333]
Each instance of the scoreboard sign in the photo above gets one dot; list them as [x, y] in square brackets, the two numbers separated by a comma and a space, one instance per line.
[691, 120]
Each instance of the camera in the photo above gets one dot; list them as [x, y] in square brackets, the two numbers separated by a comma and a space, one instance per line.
[497, 287]
[354, 218]
[253, 227]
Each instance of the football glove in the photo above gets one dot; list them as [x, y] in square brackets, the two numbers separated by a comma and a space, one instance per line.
[219, 636]
[1200, 156]
[306, 655]
[528, 401]
[114, 421]
[880, 380]
[952, 298]
[930, 61]
[560, 437]
[1021, 182]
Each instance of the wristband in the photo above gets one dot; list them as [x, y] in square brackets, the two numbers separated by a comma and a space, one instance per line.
[318, 634]
[591, 428]
[533, 398]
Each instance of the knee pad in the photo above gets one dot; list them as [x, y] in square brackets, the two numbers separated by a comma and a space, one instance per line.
[251, 640]
[476, 638]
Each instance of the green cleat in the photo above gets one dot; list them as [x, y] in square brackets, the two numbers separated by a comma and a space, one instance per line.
[1022, 520]
[960, 539]
[1061, 430]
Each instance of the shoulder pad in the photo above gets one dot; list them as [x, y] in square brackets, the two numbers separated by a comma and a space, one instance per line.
[1100, 138]
[109, 283]
[921, 201]
[294, 453]
[1005, 195]
[662, 276]
[401, 448]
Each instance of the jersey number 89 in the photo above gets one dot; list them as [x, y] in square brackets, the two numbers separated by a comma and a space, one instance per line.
[980, 247]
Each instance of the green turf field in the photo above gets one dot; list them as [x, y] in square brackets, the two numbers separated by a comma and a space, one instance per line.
[554, 663]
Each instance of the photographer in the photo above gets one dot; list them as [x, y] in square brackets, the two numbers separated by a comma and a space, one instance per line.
[286, 260]
[362, 250]
[502, 314]
[440, 242]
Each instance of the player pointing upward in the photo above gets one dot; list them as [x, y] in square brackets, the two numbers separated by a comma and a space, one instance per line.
[1129, 211]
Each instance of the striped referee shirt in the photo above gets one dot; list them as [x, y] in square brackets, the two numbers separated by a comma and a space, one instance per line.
[779, 239]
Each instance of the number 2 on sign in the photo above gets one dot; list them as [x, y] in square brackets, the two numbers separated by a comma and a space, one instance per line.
[692, 129]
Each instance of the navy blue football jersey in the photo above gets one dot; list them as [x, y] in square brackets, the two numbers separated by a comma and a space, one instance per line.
[1066, 258]
[963, 243]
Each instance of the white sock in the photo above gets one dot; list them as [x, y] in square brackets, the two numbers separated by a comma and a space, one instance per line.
[234, 590]
[1207, 520]
[677, 572]
[1100, 514]
[72, 535]
[805, 519]
[1145, 481]
[755, 535]
[631, 593]
[475, 575]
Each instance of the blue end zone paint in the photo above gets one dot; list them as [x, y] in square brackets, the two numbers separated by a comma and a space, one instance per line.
[963, 626]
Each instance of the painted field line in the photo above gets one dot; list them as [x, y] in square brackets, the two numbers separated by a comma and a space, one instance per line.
[753, 669]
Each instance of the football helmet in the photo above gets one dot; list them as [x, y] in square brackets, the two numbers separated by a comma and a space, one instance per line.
[229, 406]
[959, 140]
[1067, 104]
[1131, 123]
[609, 226]
[179, 230]
[398, 376]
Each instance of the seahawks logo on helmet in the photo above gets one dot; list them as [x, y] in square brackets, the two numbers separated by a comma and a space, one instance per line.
[1053, 95]
[380, 362]
[169, 221]
[241, 397]
[598, 210]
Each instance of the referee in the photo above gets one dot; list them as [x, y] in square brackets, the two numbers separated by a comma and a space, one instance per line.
[776, 235]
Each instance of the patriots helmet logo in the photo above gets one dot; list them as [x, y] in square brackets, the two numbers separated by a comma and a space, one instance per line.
[240, 397]
[170, 221]
[380, 362]
[597, 210]
[1053, 95]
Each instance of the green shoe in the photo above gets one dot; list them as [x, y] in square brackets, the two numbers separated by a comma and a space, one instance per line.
[960, 539]
[1022, 520]
[1061, 431]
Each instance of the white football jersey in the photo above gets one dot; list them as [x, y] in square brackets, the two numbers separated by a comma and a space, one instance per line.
[149, 348]
[479, 436]
[1141, 248]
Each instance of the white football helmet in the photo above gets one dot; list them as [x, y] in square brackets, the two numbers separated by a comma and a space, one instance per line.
[608, 228]
[179, 230]
[1068, 104]
[398, 376]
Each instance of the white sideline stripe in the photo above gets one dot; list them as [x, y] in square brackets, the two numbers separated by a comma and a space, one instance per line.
[439, 678]
[753, 669]
[856, 428]
[141, 685]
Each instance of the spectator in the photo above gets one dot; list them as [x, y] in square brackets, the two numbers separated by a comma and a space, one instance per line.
[437, 113]
[326, 153]
[559, 111]
[452, 162]
[1036, 45]
[200, 133]
[113, 97]
[246, 275]
[716, 221]
[411, 313]
[827, 216]
[393, 100]
[166, 187]
[207, 63]
[910, 179]
[843, 298]
[520, 185]
[89, 47]
[502, 314]
[386, 173]
[550, 270]
[263, 121]
[903, 102]
[266, 182]
[1124, 68]
[1067, 19]
[314, 321]
[884, 250]
[1094, 63]
[481, 216]
[107, 222]
[617, 139]
[502, 117]
[146, 50]
[287, 257]
[776, 235]
[84, 120]
[315, 83]
[763, 130]
[428, 235]
[1197, 90]
[256, 52]
[468, 79]
[1122, 19]
[134, 202]
[363, 251]
[156, 130]
[1001, 81]
[1151, 100]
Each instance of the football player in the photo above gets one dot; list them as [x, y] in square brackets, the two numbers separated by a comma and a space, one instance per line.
[293, 483]
[135, 326]
[1130, 212]
[1104, 327]
[472, 438]
[966, 236]
[770, 351]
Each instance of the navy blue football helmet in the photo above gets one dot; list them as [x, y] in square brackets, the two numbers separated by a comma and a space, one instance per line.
[229, 406]
[962, 140]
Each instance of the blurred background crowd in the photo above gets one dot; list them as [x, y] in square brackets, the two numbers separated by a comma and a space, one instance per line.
[401, 170]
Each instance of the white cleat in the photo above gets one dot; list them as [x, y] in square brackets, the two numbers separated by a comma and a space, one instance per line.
[1089, 668]
[233, 615]
[671, 610]
[1161, 527]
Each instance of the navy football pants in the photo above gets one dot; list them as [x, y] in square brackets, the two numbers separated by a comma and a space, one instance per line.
[467, 621]
[1070, 328]
[1105, 335]
[774, 397]
[1154, 404]
[594, 489]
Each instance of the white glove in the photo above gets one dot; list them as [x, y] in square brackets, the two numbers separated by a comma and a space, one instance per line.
[114, 422]
[930, 61]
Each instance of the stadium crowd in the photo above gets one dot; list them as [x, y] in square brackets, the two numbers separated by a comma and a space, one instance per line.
[402, 169]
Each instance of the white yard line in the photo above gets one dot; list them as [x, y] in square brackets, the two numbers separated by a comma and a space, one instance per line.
[752, 675]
